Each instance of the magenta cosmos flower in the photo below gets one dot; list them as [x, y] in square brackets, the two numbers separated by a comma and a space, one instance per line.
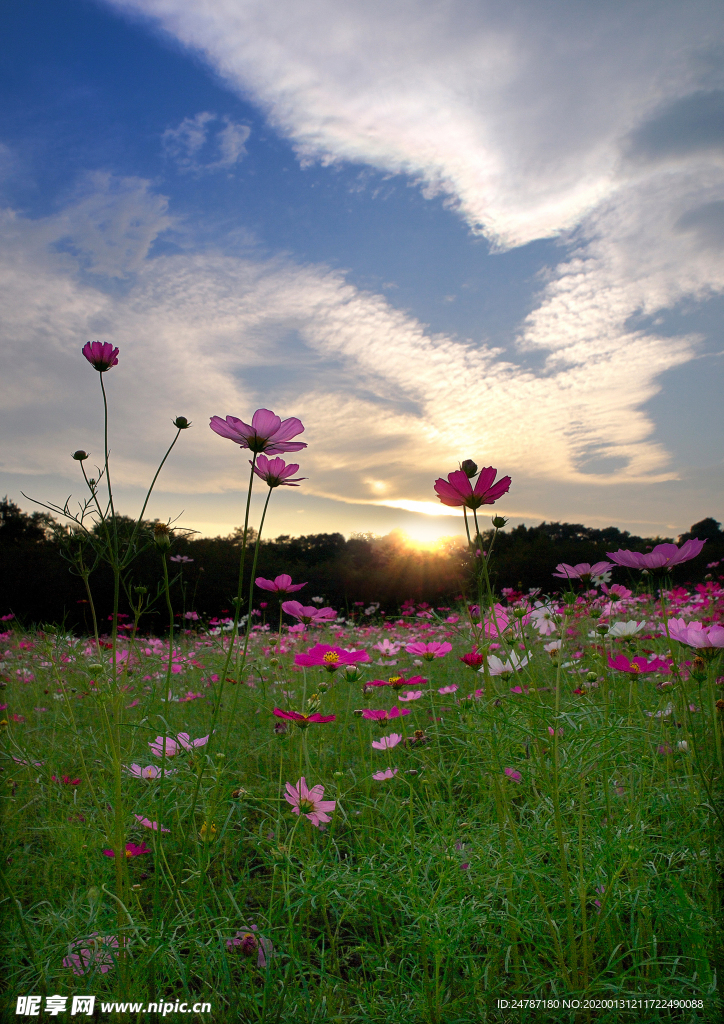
[583, 571]
[473, 659]
[383, 716]
[280, 584]
[276, 473]
[101, 355]
[457, 489]
[662, 556]
[429, 651]
[397, 682]
[696, 634]
[308, 614]
[132, 850]
[330, 658]
[638, 666]
[309, 802]
[267, 432]
[303, 720]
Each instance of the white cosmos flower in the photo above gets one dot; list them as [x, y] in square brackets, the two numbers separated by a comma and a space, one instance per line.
[630, 628]
[505, 668]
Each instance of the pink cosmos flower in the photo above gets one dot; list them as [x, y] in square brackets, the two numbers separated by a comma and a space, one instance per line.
[552, 731]
[448, 689]
[638, 666]
[616, 592]
[388, 773]
[582, 571]
[309, 802]
[308, 614]
[398, 681]
[696, 634]
[267, 432]
[101, 355]
[132, 850]
[66, 780]
[429, 651]
[330, 658]
[473, 659]
[149, 824]
[411, 695]
[182, 742]
[27, 764]
[662, 556]
[279, 585]
[382, 716]
[181, 559]
[96, 954]
[248, 944]
[276, 473]
[151, 772]
[513, 774]
[387, 742]
[387, 648]
[457, 489]
[303, 720]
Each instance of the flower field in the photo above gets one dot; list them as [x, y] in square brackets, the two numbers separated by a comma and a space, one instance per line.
[419, 818]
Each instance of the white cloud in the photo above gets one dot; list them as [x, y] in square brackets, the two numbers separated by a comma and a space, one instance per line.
[197, 148]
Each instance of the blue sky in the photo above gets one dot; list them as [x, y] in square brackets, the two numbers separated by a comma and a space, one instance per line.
[433, 231]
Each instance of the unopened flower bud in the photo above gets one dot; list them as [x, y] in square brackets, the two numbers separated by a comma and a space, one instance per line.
[591, 677]
[602, 629]
[499, 522]
[162, 535]
[469, 468]
[80, 455]
[181, 422]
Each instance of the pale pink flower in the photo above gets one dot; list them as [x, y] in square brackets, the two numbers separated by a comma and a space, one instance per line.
[429, 651]
[448, 689]
[308, 614]
[387, 742]
[149, 824]
[150, 772]
[276, 473]
[662, 556]
[696, 634]
[410, 695]
[267, 432]
[583, 571]
[388, 773]
[101, 355]
[309, 802]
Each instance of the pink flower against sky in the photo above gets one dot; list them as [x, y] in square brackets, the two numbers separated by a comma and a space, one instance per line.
[696, 634]
[638, 666]
[303, 720]
[387, 742]
[266, 433]
[279, 585]
[152, 771]
[101, 355]
[582, 571]
[149, 824]
[330, 658]
[662, 556]
[457, 490]
[430, 651]
[382, 716]
[276, 473]
[308, 614]
[309, 802]
[388, 773]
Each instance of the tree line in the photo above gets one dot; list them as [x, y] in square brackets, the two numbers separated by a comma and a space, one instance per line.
[38, 584]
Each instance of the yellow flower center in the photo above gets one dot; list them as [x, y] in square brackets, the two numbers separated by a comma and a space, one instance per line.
[395, 680]
[330, 658]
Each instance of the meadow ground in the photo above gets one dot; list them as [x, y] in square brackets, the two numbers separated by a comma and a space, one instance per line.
[540, 822]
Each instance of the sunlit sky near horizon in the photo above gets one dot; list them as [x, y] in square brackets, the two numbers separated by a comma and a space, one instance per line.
[430, 230]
